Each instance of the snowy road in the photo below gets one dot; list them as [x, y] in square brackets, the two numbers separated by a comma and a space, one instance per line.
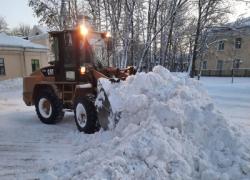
[28, 147]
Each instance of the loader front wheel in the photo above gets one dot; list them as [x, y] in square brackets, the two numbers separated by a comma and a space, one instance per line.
[85, 116]
[49, 107]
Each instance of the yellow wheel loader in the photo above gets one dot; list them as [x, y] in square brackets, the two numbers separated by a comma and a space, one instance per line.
[70, 84]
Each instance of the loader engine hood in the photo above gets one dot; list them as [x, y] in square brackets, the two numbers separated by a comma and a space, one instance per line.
[48, 71]
[44, 72]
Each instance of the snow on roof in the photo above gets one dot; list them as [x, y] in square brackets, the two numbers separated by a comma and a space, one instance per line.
[13, 41]
[239, 24]
[242, 22]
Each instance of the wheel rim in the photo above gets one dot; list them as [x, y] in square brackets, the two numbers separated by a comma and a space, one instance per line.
[45, 107]
[81, 115]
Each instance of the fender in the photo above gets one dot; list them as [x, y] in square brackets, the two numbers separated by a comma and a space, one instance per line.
[84, 90]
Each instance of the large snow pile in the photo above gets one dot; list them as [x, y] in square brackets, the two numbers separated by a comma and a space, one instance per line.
[169, 129]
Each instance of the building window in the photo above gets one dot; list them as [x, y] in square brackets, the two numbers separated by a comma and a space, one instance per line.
[204, 65]
[219, 64]
[35, 64]
[221, 45]
[238, 43]
[2, 67]
[236, 64]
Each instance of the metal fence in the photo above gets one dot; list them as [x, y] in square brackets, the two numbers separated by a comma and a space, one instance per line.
[227, 73]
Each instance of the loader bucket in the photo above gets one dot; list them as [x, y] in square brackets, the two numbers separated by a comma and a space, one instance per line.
[106, 116]
[104, 110]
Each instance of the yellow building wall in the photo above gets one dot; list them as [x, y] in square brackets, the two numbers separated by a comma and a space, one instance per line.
[41, 56]
[18, 63]
[13, 64]
[42, 41]
[229, 53]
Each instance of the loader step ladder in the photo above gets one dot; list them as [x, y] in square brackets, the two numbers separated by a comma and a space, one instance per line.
[68, 93]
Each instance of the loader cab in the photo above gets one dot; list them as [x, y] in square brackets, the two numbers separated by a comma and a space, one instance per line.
[73, 51]
[67, 46]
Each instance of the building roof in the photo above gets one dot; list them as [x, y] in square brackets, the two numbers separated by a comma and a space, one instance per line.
[17, 42]
[40, 36]
[242, 24]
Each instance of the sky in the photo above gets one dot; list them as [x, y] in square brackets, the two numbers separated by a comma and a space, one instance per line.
[16, 12]
[239, 9]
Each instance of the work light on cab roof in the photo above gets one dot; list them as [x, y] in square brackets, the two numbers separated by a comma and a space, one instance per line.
[84, 30]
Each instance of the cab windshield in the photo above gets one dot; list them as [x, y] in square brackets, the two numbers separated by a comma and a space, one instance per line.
[91, 54]
[86, 53]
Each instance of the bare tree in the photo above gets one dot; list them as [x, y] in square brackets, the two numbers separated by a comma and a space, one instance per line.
[21, 30]
[3, 25]
[210, 12]
[49, 11]
[146, 32]
[178, 6]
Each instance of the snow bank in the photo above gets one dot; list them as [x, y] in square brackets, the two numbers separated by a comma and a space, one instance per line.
[11, 84]
[169, 129]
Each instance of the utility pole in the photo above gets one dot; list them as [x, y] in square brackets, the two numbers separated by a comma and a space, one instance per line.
[63, 15]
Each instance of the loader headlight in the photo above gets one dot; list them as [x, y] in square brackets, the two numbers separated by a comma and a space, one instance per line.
[108, 35]
[83, 70]
[84, 30]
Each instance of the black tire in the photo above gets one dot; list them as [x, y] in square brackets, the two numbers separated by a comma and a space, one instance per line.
[56, 114]
[90, 124]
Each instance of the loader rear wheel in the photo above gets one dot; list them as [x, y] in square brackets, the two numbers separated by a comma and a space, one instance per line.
[85, 116]
[49, 107]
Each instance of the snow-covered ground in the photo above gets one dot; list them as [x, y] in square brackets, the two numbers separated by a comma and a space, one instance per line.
[170, 129]
[28, 147]
[233, 100]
